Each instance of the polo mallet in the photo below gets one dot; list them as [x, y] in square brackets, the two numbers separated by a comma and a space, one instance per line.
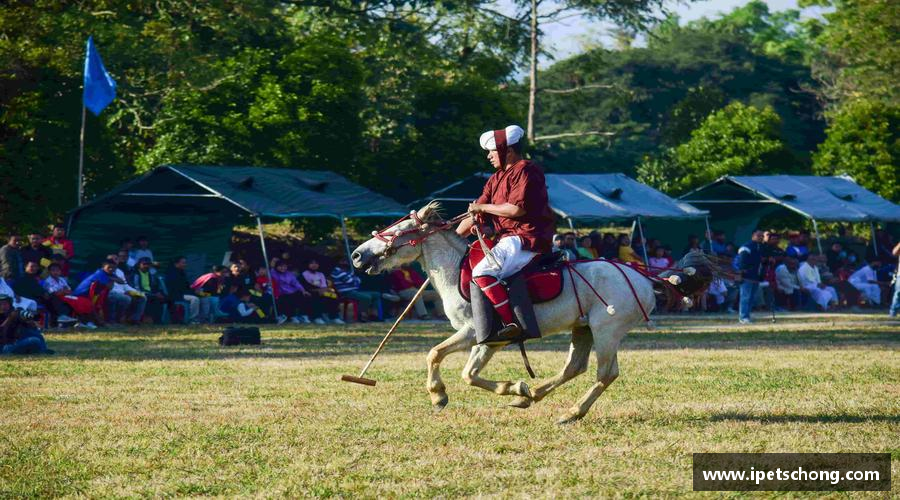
[367, 381]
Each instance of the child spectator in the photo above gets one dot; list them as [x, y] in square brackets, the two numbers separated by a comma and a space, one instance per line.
[319, 286]
[30, 286]
[82, 307]
[247, 311]
[659, 261]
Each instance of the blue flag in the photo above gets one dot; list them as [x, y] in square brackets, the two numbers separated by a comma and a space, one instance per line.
[99, 86]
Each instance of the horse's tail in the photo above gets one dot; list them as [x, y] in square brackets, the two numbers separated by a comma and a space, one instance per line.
[693, 274]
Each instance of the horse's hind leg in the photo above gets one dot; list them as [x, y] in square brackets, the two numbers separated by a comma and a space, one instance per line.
[576, 364]
[479, 357]
[606, 347]
[462, 339]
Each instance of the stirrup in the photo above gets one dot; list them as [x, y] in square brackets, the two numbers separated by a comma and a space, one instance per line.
[506, 335]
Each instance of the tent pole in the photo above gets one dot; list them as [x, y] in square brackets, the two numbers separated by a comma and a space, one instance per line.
[818, 240]
[709, 236]
[262, 243]
[571, 225]
[346, 242]
[874, 242]
[643, 241]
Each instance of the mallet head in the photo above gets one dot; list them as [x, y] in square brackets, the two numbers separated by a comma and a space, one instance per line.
[358, 380]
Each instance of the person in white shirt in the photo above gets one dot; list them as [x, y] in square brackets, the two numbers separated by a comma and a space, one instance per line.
[786, 280]
[136, 254]
[18, 301]
[811, 281]
[865, 279]
[122, 295]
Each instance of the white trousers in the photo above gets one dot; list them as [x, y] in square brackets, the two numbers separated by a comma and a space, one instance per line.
[509, 255]
[823, 296]
[870, 290]
[24, 303]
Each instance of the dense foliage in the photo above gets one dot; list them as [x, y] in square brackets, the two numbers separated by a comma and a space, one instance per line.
[394, 93]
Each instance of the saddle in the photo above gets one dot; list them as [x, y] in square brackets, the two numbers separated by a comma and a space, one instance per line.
[543, 275]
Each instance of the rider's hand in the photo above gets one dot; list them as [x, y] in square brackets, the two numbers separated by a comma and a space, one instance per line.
[476, 208]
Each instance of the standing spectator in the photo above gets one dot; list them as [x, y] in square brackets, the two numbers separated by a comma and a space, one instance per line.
[208, 288]
[11, 266]
[718, 244]
[36, 251]
[693, 244]
[811, 281]
[150, 285]
[18, 333]
[786, 280]
[291, 298]
[59, 244]
[895, 302]
[29, 286]
[626, 253]
[82, 307]
[124, 297]
[406, 281]
[772, 255]
[797, 246]
[348, 285]
[179, 289]
[585, 249]
[319, 286]
[142, 251]
[865, 280]
[748, 263]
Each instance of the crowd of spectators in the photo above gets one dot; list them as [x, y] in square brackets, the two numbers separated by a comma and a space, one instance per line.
[770, 271]
[131, 286]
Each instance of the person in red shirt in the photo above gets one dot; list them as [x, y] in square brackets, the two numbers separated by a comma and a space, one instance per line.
[406, 281]
[59, 244]
[516, 208]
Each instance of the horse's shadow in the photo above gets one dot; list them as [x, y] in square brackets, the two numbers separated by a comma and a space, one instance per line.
[812, 419]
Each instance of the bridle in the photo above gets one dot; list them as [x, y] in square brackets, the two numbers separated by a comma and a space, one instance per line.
[423, 229]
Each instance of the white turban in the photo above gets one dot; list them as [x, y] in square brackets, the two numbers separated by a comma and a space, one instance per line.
[513, 134]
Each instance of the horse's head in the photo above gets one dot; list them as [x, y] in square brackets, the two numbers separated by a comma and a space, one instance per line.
[695, 271]
[399, 243]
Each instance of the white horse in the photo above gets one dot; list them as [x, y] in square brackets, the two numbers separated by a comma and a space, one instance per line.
[424, 236]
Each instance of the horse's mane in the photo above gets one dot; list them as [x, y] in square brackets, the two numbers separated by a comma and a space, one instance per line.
[706, 268]
[432, 212]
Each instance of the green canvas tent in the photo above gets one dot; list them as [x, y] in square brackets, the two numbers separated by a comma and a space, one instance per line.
[190, 210]
[737, 203]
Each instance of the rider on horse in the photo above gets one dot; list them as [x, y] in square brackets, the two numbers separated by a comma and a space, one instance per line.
[515, 207]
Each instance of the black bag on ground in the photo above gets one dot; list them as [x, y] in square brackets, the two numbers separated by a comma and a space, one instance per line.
[236, 335]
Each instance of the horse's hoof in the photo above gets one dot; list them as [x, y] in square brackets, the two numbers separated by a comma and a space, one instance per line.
[521, 389]
[440, 404]
[569, 419]
[521, 402]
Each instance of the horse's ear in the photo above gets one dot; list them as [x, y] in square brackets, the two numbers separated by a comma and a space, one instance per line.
[429, 211]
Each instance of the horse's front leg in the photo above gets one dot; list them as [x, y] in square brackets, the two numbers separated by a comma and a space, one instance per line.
[479, 357]
[576, 364]
[462, 339]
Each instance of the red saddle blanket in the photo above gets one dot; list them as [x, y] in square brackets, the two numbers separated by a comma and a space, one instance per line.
[544, 282]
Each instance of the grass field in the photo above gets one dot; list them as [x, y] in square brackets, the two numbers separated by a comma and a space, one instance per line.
[154, 412]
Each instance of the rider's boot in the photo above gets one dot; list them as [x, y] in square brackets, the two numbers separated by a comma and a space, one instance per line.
[495, 291]
[523, 309]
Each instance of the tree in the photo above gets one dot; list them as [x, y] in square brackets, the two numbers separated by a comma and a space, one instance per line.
[864, 143]
[736, 140]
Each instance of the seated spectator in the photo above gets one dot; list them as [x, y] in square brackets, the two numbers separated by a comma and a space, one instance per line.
[866, 281]
[626, 253]
[585, 249]
[348, 285]
[123, 297]
[36, 251]
[560, 245]
[247, 311]
[261, 293]
[150, 285]
[718, 244]
[834, 256]
[58, 244]
[179, 289]
[142, 251]
[11, 265]
[797, 246]
[786, 281]
[406, 281]
[718, 291]
[19, 302]
[30, 286]
[693, 244]
[240, 280]
[610, 249]
[292, 299]
[811, 281]
[318, 285]
[208, 288]
[596, 243]
[659, 261]
[18, 333]
[105, 276]
[82, 307]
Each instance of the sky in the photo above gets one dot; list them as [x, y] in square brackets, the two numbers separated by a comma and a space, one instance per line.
[571, 36]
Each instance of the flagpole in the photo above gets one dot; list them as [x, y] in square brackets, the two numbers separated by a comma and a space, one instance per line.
[81, 158]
